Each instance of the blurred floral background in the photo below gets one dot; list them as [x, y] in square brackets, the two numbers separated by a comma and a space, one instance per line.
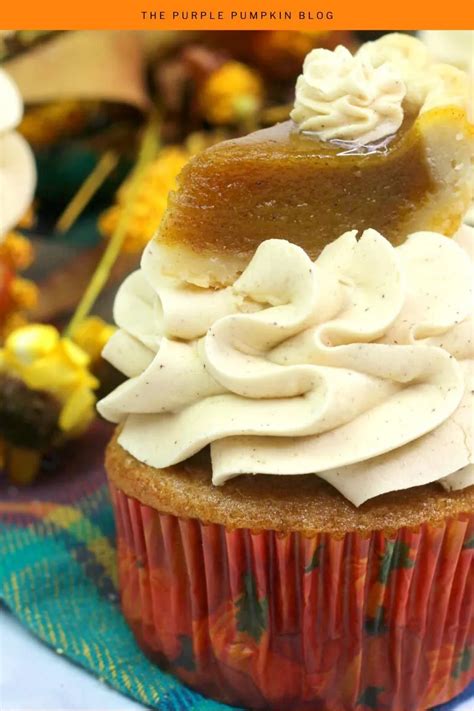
[94, 129]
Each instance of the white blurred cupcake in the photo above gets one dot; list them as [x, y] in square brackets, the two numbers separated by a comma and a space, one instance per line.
[17, 165]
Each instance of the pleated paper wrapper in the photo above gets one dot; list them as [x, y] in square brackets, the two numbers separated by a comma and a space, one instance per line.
[264, 620]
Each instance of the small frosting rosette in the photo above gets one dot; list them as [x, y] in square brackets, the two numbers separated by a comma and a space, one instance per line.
[346, 97]
[364, 98]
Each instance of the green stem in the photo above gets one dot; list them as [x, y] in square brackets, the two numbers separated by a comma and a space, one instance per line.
[148, 150]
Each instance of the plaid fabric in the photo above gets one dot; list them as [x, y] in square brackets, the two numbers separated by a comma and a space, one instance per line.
[58, 576]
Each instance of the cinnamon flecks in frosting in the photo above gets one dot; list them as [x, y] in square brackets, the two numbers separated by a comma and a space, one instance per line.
[356, 367]
[346, 97]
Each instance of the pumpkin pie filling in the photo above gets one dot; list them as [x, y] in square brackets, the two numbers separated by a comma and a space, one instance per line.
[281, 183]
[311, 179]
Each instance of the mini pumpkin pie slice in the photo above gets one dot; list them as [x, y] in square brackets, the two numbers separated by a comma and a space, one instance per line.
[379, 140]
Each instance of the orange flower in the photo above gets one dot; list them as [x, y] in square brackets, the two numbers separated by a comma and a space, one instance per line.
[24, 293]
[16, 294]
[44, 124]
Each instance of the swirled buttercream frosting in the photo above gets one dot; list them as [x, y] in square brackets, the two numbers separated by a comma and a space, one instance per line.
[357, 367]
[362, 98]
[347, 97]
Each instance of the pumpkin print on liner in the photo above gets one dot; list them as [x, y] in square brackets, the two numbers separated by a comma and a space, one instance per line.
[271, 621]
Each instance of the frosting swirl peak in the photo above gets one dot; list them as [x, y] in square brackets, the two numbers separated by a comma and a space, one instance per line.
[355, 367]
[348, 97]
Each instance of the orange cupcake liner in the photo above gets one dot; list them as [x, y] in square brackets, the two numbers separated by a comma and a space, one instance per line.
[277, 621]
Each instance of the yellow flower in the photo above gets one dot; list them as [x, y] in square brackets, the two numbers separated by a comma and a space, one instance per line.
[231, 94]
[44, 361]
[17, 250]
[24, 293]
[150, 201]
[92, 335]
[11, 323]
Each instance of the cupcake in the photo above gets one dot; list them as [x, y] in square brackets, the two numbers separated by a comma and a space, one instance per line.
[17, 187]
[292, 471]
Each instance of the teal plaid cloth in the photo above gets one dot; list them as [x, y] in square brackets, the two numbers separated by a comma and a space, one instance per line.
[58, 576]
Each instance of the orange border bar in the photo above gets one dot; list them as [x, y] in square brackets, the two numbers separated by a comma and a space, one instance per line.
[310, 15]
